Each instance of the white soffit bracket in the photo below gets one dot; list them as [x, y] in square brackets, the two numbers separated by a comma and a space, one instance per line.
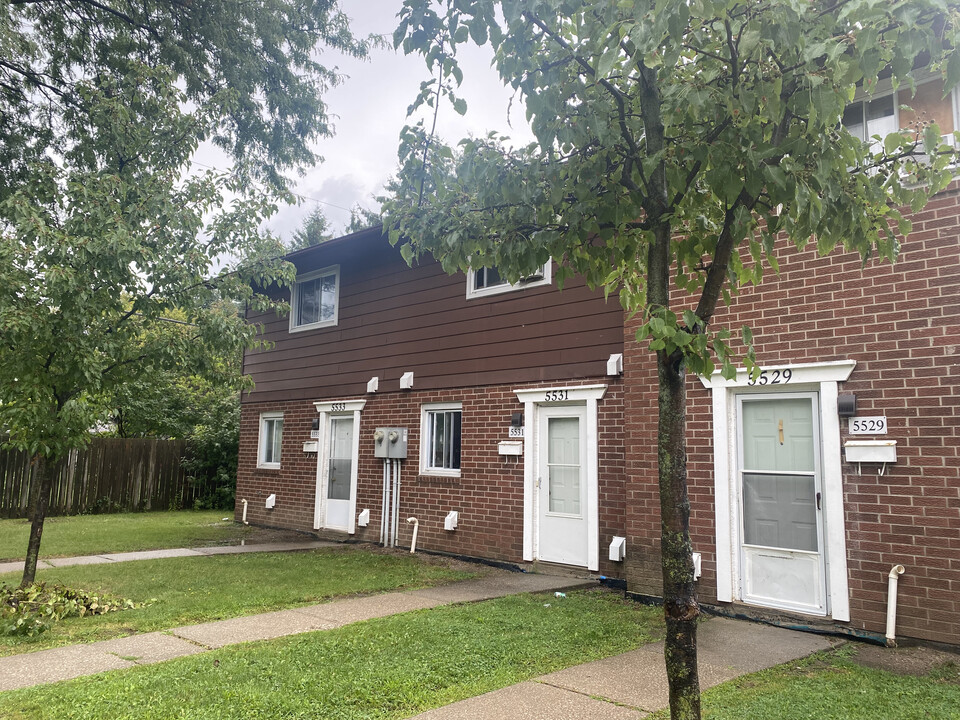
[374, 384]
[406, 381]
[615, 364]
[800, 373]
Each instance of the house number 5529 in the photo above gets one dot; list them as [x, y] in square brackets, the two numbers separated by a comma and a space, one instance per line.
[772, 377]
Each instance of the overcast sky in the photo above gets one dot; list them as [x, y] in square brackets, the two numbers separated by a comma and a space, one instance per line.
[370, 109]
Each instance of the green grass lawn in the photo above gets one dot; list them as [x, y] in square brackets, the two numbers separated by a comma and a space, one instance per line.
[832, 686]
[387, 668]
[122, 532]
[199, 589]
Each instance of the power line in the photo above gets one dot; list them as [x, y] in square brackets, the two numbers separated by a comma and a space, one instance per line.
[295, 194]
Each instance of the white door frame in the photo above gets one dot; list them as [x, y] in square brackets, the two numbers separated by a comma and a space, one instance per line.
[326, 410]
[573, 395]
[817, 377]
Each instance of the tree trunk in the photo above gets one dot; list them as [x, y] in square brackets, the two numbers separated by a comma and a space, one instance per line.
[39, 497]
[681, 609]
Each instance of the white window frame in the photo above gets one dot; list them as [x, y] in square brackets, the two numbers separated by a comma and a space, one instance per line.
[473, 292]
[885, 88]
[425, 437]
[295, 299]
[265, 418]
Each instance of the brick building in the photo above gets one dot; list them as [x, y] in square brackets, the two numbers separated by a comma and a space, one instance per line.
[476, 374]
[525, 443]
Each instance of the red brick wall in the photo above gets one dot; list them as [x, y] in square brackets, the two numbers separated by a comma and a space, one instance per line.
[488, 494]
[901, 324]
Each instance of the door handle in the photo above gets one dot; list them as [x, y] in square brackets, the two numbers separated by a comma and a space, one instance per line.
[780, 428]
[818, 501]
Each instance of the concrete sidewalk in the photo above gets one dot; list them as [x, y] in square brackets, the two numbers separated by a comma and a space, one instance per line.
[634, 684]
[17, 566]
[48, 666]
[622, 687]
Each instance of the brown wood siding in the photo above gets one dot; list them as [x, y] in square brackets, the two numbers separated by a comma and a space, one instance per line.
[394, 319]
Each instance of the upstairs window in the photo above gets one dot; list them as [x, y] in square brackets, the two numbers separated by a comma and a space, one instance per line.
[488, 281]
[314, 300]
[872, 117]
[440, 439]
[271, 440]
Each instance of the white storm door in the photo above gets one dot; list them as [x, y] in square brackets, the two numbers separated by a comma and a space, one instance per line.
[782, 559]
[562, 486]
[339, 473]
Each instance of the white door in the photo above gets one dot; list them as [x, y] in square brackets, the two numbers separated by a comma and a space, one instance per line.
[782, 559]
[562, 486]
[339, 473]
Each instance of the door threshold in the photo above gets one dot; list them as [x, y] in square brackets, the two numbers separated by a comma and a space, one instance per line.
[551, 568]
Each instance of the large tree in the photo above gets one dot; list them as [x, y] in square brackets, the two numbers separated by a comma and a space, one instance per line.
[106, 227]
[675, 142]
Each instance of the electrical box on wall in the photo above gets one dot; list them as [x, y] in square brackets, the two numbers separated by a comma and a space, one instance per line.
[390, 443]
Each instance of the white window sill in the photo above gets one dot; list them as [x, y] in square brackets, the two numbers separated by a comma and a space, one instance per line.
[313, 326]
[439, 472]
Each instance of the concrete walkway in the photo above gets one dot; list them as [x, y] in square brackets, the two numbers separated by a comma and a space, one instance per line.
[48, 666]
[171, 553]
[634, 684]
[622, 687]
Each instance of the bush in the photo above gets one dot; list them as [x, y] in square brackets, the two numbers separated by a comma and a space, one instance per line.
[212, 449]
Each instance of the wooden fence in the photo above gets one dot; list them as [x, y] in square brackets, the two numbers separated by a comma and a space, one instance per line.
[110, 474]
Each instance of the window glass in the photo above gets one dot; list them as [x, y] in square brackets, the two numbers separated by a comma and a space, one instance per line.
[314, 300]
[489, 281]
[873, 117]
[442, 439]
[271, 439]
[487, 277]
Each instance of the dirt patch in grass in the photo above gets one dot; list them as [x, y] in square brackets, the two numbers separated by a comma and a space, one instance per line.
[917, 660]
[264, 536]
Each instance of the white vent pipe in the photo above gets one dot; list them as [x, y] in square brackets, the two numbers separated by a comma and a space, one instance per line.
[244, 518]
[416, 529]
[895, 572]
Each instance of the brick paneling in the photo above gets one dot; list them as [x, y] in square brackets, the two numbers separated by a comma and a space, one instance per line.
[901, 323]
[488, 494]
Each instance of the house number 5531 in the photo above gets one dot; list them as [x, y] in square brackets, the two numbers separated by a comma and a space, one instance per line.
[556, 395]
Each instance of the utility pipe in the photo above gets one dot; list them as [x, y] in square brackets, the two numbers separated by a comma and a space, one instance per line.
[416, 529]
[383, 508]
[895, 572]
[244, 501]
[396, 502]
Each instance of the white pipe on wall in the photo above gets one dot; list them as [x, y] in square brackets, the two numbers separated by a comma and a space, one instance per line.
[416, 529]
[895, 572]
[396, 501]
[384, 507]
[244, 501]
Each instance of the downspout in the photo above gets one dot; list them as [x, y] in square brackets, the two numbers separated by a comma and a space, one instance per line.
[895, 572]
[244, 518]
[416, 529]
